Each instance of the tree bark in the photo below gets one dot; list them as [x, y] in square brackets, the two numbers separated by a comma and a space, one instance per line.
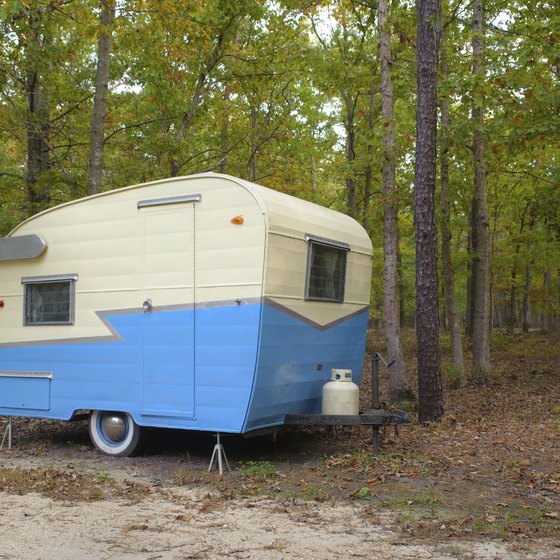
[97, 134]
[526, 291]
[224, 134]
[548, 323]
[38, 153]
[469, 266]
[480, 226]
[527, 288]
[427, 321]
[200, 91]
[512, 320]
[447, 264]
[402, 310]
[368, 180]
[254, 144]
[548, 317]
[397, 372]
[38, 121]
[349, 104]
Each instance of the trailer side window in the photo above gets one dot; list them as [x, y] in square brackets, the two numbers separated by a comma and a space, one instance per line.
[49, 300]
[326, 270]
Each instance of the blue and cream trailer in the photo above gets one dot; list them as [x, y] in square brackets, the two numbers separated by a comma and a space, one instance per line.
[200, 303]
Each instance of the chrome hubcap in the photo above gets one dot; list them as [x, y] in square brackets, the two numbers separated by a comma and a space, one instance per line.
[114, 426]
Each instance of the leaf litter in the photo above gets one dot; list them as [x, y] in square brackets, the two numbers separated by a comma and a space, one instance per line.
[490, 468]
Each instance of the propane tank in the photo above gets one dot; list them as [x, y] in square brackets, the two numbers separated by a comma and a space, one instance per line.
[340, 395]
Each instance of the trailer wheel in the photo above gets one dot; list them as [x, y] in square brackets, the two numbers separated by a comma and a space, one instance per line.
[114, 433]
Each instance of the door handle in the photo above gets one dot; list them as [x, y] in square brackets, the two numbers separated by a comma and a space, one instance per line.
[147, 305]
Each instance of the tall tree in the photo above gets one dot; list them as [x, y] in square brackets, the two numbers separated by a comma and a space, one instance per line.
[480, 281]
[346, 53]
[36, 39]
[397, 373]
[446, 260]
[427, 320]
[97, 133]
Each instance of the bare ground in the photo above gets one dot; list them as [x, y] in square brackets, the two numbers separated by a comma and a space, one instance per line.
[484, 483]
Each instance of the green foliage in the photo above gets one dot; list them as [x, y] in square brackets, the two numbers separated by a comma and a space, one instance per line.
[272, 91]
[452, 377]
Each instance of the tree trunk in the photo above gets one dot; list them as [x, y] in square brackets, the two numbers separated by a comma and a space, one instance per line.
[314, 183]
[397, 372]
[447, 265]
[402, 310]
[480, 227]
[512, 320]
[373, 111]
[199, 93]
[548, 317]
[38, 157]
[527, 289]
[469, 307]
[224, 134]
[368, 181]
[38, 123]
[97, 134]
[350, 154]
[427, 325]
[254, 145]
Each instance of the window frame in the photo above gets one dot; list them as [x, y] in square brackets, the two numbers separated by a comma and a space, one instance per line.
[71, 279]
[315, 240]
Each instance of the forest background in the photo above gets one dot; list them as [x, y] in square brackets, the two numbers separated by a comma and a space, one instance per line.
[101, 94]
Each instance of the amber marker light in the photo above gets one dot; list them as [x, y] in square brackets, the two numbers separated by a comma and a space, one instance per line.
[238, 220]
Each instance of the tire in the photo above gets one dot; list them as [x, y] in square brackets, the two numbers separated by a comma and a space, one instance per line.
[114, 433]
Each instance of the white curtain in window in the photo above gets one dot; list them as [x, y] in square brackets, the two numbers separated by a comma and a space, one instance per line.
[331, 258]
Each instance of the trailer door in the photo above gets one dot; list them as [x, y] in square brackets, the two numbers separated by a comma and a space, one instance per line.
[168, 300]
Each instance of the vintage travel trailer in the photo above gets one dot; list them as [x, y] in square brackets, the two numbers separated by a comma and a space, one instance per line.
[200, 303]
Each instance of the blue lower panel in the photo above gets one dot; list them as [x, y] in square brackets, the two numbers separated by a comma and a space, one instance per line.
[150, 372]
[154, 374]
[26, 393]
[295, 361]
[168, 378]
[226, 353]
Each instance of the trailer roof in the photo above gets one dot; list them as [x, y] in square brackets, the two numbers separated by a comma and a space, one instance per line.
[285, 214]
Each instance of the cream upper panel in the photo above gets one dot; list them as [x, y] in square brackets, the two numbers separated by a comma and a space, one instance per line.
[285, 281]
[293, 217]
[289, 221]
[123, 254]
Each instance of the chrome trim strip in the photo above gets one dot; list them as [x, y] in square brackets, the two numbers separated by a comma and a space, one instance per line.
[310, 322]
[169, 200]
[115, 336]
[22, 247]
[50, 278]
[27, 374]
[325, 241]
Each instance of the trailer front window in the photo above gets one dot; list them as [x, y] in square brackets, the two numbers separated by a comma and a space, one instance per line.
[49, 300]
[326, 270]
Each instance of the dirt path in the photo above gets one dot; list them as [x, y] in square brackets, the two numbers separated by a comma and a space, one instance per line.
[482, 484]
[182, 526]
[69, 503]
